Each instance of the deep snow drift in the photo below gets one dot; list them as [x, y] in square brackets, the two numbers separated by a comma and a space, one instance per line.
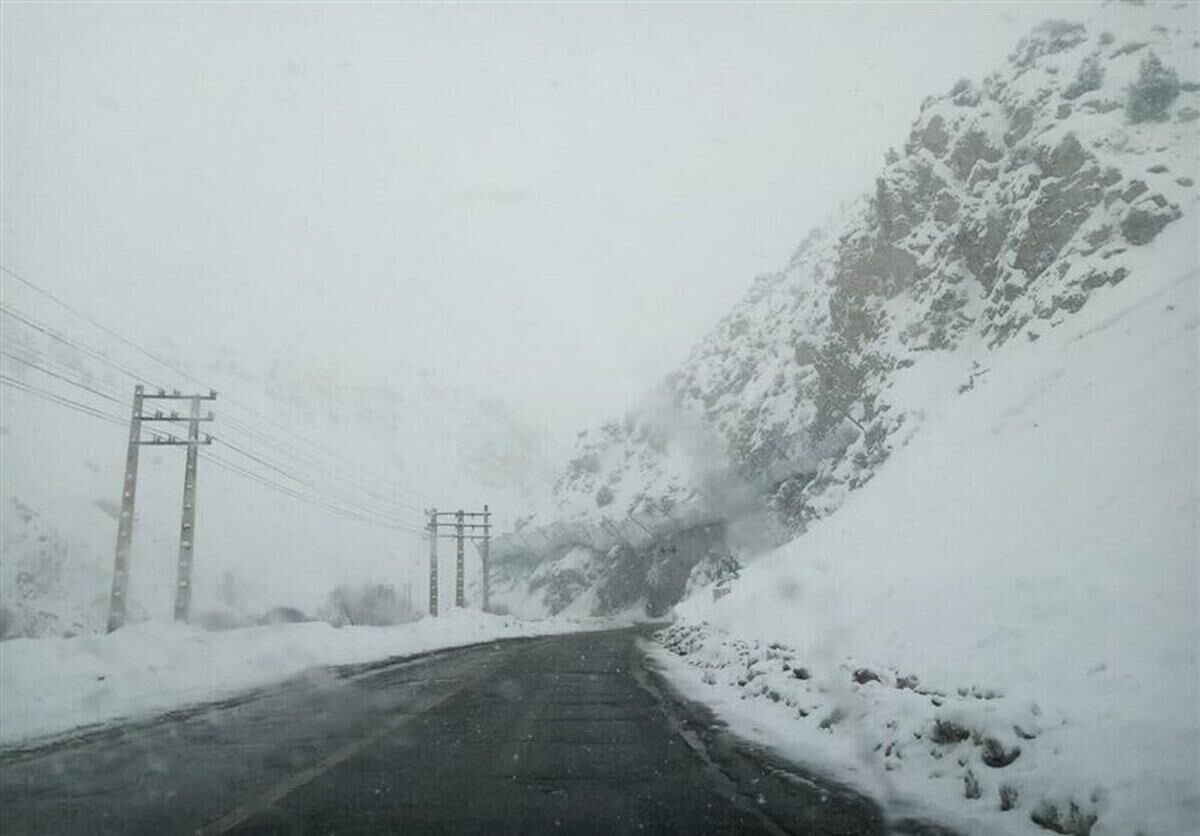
[1007, 614]
[54, 685]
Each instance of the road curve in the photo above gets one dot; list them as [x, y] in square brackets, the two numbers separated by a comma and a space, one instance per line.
[558, 734]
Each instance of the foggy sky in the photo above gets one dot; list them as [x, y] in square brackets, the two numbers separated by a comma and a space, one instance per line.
[546, 203]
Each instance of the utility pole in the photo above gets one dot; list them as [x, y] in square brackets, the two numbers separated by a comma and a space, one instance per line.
[460, 598]
[460, 536]
[183, 589]
[433, 562]
[485, 554]
[187, 528]
[120, 582]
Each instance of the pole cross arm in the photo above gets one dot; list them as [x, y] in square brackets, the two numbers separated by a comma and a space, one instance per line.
[173, 442]
[176, 395]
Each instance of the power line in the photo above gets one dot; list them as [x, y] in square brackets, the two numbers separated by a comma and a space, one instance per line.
[58, 376]
[29, 322]
[14, 383]
[308, 483]
[324, 468]
[281, 471]
[150, 355]
[361, 515]
[275, 486]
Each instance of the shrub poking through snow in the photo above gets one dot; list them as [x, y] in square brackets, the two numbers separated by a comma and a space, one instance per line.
[996, 755]
[1089, 77]
[1008, 797]
[864, 675]
[833, 718]
[971, 788]
[947, 732]
[1152, 94]
[1068, 819]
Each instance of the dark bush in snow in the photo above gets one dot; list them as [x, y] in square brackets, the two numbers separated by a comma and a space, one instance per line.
[1068, 819]
[1089, 77]
[219, 619]
[1145, 220]
[284, 615]
[1153, 92]
[948, 731]
[370, 604]
[996, 756]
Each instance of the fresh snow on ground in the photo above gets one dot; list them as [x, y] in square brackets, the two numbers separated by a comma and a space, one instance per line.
[1024, 569]
[53, 685]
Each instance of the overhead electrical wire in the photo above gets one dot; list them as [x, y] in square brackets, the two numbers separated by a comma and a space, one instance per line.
[171, 367]
[269, 465]
[247, 429]
[61, 377]
[59, 399]
[359, 514]
[324, 469]
[351, 501]
[53, 334]
[348, 482]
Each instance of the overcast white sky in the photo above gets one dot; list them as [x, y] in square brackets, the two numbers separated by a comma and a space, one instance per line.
[547, 202]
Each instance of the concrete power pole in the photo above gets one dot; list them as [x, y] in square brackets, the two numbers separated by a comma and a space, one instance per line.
[117, 605]
[120, 582]
[460, 537]
[187, 528]
[485, 554]
[433, 562]
[460, 597]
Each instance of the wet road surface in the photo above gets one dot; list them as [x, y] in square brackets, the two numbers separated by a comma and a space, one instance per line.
[566, 734]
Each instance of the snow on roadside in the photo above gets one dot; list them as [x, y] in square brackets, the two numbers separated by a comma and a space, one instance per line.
[52, 685]
[1007, 615]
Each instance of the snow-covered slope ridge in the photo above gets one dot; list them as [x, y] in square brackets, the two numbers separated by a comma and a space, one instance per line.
[1004, 624]
[1015, 203]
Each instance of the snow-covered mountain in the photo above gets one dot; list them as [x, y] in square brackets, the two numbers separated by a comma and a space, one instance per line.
[1016, 202]
[384, 449]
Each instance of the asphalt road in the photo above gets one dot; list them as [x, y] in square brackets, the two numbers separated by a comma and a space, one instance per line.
[563, 734]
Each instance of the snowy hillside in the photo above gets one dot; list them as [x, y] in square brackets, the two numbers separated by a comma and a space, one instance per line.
[1018, 202]
[1003, 624]
[345, 509]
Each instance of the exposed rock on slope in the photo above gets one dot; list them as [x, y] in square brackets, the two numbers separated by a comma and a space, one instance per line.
[1014, 200]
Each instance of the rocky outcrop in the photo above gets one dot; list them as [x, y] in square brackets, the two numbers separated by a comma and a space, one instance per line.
[1013, 201]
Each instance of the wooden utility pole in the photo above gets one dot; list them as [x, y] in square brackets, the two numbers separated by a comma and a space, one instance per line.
[120, 581]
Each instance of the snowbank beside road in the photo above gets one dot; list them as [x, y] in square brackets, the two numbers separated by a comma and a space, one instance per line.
[1007, 614]
[49, 686]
